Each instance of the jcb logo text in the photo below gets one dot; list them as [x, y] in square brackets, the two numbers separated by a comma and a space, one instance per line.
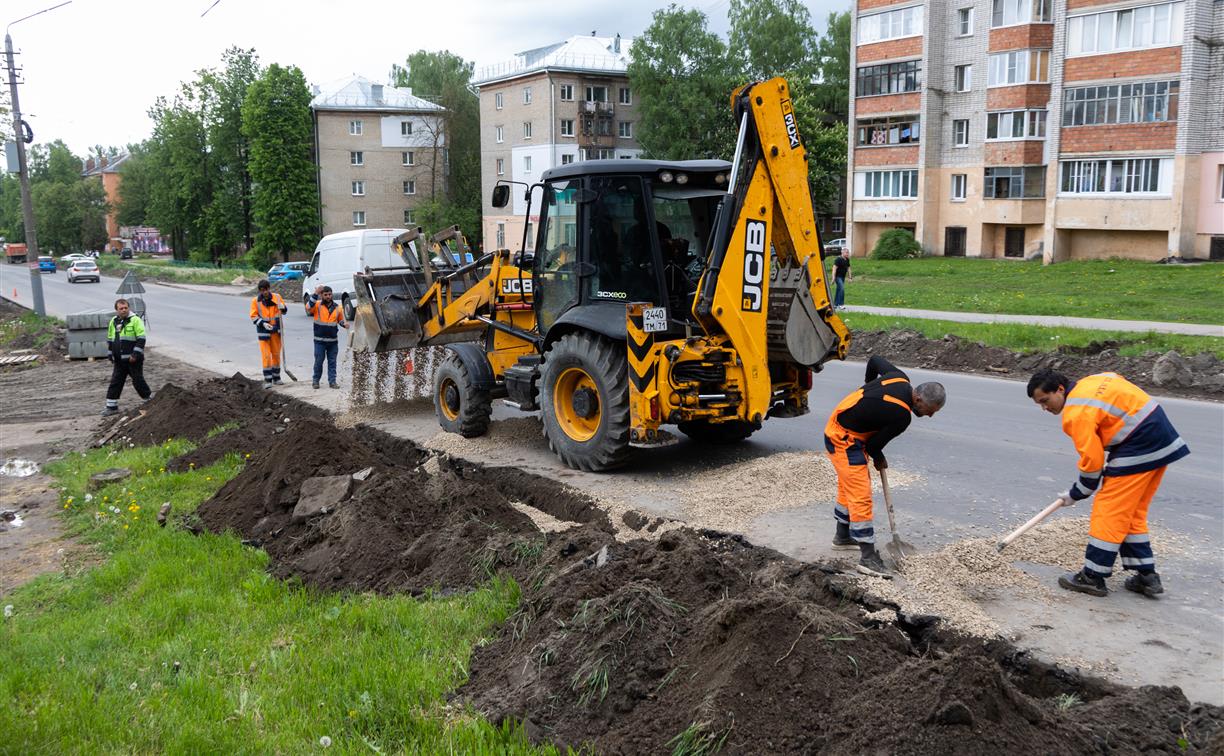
[754, 264]
[516, 286]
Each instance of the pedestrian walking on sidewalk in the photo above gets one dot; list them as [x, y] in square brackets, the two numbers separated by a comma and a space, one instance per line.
[860, 427]
[1107, 413]
[266, 311]
[125, 343]
[328, 320]
[841, 271]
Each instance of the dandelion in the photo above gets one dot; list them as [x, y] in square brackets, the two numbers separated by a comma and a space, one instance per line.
[247, 455]
[325, 741]
[125, 527]
[207, 477]
[162, 470]
[69, 499]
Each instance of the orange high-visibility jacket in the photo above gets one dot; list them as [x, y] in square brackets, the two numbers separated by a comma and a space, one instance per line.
[1107, 414]
[262, 313]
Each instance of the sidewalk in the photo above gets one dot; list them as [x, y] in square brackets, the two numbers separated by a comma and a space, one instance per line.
[1092, 324]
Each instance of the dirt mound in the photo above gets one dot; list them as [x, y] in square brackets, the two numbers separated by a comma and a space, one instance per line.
[47, 339]
[1199, 376]
[700, 641]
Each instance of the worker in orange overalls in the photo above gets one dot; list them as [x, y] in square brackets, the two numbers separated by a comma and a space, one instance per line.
[1107, 413]
[266, 311]
[328, 320]
[860, 427]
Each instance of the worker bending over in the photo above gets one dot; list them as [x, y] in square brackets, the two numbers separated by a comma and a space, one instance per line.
[860, 427]
[266, 311]
[328, 320]
[1107, 413]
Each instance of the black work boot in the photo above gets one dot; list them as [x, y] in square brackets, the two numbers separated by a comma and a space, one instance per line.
[1082, 582]
[1147, 583]
[110, 411]
[870, 562]
[842, 539]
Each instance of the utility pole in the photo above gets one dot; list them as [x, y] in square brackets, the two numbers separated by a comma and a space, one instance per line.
[27, 206]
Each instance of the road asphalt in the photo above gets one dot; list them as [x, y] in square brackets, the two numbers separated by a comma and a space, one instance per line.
[987, 462]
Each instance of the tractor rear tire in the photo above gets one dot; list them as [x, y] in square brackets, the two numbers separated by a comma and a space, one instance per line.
[461, 407]
[704, 432]
[584, 401]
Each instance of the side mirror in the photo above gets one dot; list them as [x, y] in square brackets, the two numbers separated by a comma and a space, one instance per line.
[501, 195]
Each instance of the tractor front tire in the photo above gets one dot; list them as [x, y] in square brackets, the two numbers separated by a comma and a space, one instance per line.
[460, 406]
[705, 432]
[584, 401]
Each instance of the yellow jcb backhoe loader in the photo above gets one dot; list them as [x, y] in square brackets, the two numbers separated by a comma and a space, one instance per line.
[686, 293]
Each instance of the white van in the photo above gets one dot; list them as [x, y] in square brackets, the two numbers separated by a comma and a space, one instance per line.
[339, 256]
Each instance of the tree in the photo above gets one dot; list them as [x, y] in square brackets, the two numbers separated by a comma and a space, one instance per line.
[179, 187]
[90, 198]
[12, 227]
[134, 187]
[222, 92]
[277, 123]
[833, 67]
[773, 38]
[683, 78]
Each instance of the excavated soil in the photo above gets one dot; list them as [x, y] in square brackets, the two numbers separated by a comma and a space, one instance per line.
[693, 641]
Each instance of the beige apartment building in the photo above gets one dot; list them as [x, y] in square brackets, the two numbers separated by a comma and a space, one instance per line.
[380, 152]
[548, 107]
[1061, 129]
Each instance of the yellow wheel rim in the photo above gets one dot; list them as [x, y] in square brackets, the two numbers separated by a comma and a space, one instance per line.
[447, 386]
[570, 414]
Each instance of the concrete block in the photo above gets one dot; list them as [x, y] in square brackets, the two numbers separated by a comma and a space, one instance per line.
[322, 495]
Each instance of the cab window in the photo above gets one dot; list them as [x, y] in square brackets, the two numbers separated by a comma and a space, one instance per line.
[621, 242]
[556, 255]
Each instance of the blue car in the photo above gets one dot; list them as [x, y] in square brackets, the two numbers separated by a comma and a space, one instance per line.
[291, 271]
[46, 264]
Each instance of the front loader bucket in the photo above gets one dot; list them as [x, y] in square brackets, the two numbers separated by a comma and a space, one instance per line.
[386, 314]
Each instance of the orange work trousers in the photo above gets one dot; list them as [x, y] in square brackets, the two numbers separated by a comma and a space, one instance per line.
[270, 354]
[1118, 525]
[849, 459]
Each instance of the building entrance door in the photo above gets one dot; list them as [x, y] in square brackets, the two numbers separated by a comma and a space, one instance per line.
[954, 241]
[1013, 242]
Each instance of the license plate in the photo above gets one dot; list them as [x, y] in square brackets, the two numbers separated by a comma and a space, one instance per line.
[654, 319]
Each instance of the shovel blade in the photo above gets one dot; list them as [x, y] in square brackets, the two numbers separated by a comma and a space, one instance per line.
[900, 549]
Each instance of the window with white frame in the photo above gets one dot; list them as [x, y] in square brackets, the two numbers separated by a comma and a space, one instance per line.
[1141, 102]
[359, 217]
[964, 22]
[837, 225]
[624, 129]
[526, 164]
[500, 165]
[960, 132]
[358, 188]
[1128, 29]
[526, 129]
[1011, 12]
[960, 185]
[962, 78]
[871, 132]
[626, 96]
[901, 184]
[408, 157]
[498, 101]
[1015, 124]
[567, 159]
[405, 128]
[878, 27]
[409, 218]
[1019, 67]
[410, 187]
[499, 134]
[354, 128]
[501, 235]
[598, 153]
[566, 92]
[1220, 185]
[1151, 176]
[526, 95]
[356, 158]
[567, 127]
[596, 94]
[1020, 182]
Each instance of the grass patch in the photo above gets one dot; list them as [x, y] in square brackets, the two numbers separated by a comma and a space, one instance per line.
[28, 330]
[184, 643]
[222, 428]
[1030, 338]
[1126, 289]
[165, 270]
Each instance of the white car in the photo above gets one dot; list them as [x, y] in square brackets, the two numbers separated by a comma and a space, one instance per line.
[84, 270]
[834, 247]
[70, 259]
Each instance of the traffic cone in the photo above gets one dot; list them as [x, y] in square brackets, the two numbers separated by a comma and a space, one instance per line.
[14, 292]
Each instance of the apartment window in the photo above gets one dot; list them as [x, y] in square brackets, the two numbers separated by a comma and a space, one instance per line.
[354, 128]
[567, 127]
[624, 129]
[526, 164]
[1129, 29]
[1010, 12]
[405, 128]
[1024, 182]
[878, 27]
[960, 184]
[408, 158]
[529, 236]
[501, 235]
[596, 94]
[1220, 183]
[526, 95]
[1145, 102]
[837, 225]
[886, 184]
[603, 127]
[526, 129]
[962, 78]
[1016, 124]
[501, 166]
[960, 132]
[358, 188]
[626, 96]
[409, 218]
[1019, 67]
[498, 101]
[356, 158]
[409, 187]
[499, 134]
[567, 159]
[888, 78]
[964, 22]
[359, 217]
[1127, 176]
[596, 153]
[891, 130]
[567, 92]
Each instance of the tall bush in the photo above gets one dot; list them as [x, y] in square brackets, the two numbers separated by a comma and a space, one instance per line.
[896, 244]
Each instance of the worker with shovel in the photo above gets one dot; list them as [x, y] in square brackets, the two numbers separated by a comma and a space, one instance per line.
[1107, 413]
[859, 428]
[266, 311]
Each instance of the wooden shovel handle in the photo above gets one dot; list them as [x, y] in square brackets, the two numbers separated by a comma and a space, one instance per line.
[1054, 506]
[892, 526]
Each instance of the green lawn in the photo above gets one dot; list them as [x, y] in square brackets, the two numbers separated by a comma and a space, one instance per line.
[161, 269]
[1122, 289]
[28, 330]
[183, 643]
[1027, 338]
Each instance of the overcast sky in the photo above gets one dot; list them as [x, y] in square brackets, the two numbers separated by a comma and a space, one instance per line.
[93, 68]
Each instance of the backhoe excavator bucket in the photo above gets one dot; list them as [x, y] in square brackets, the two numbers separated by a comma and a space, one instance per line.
[798, 329]
[386, 316]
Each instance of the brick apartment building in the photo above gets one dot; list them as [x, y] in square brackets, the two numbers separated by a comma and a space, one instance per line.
[106, 169]
[547, 107]
[1066, 129]
[380, 152]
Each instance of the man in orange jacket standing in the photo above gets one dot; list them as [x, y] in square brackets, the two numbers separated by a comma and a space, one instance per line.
[266, 311]
[1106, 413]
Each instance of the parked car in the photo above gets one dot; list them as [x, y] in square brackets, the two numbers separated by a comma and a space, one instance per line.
[834, 247]
[70, 259]
[125, 254]
[84, 270]
[290, 271]
[46, 264]
[338, 256]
